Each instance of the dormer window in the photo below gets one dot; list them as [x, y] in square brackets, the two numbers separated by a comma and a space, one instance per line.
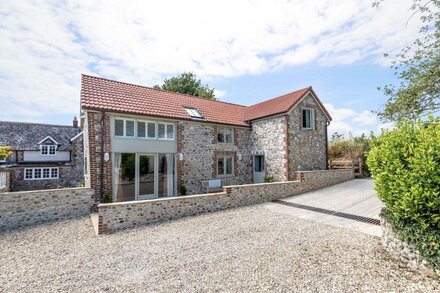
[48, 146]
[48, 150]
[193, 112]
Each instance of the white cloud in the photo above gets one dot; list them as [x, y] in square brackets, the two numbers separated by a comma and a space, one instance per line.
[366, 118]
[219, 93]
[46, 45]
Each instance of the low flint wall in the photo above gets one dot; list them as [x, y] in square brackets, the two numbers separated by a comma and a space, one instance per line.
[31, 207]
[403, 251]
[121, 215]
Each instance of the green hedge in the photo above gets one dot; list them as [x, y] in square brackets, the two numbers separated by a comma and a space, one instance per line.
[405, 165]
[426, 242]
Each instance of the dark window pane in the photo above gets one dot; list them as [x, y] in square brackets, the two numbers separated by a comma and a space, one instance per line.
[141, 129]
[119, 127]
[228, 165]
[129, 128]
[161, 130]
[220, 166]
[170, 131]
[151, 130]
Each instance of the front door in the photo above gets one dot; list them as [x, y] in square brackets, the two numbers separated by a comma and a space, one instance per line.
[259, 173]
[147, 173]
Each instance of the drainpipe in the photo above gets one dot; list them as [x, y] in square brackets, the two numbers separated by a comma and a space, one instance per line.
[326, 145]
[102, 155]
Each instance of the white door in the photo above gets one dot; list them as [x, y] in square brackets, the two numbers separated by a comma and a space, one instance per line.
[259, 173]
[147, 173]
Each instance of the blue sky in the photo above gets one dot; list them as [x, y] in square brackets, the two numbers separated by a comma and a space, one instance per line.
[248, 50]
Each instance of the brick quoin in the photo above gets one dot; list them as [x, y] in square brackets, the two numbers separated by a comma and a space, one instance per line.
[286, 147]
[94, 120]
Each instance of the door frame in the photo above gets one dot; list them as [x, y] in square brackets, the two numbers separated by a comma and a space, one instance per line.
[154, 195]
[263, 167]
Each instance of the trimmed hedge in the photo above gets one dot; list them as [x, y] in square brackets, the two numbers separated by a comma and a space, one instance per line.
[405, 165]
[426, 242]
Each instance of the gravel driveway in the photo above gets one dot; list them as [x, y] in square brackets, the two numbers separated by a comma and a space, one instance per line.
[246, 249]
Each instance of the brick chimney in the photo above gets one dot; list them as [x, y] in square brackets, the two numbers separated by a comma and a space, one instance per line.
[75, 122]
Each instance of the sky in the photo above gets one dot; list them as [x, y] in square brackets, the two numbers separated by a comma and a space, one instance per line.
[248, 50]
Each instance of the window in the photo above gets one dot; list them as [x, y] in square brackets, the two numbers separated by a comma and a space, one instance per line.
[119, 127]
[225, 166]
[48, 150]
[308, 119]
[259, 163]
[144, 129]
[40, 173]
[85, 166]
[225, 135]
[193, 112]
[124, 127]
[165, 131]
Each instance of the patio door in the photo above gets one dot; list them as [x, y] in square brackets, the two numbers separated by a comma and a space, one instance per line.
[259, 173]
[147, 177]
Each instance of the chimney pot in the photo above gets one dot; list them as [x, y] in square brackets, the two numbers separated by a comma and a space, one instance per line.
[75, 122]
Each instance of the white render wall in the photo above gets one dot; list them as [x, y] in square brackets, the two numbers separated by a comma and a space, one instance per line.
[35, 156]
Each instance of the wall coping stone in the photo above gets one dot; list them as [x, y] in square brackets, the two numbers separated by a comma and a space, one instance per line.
[43, 190]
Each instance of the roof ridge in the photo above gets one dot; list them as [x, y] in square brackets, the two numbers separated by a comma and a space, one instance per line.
[166, 91]
[264, 101]
[34, 123]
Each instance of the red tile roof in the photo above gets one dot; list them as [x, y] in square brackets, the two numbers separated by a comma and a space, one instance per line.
[279, 105]
[108, 95]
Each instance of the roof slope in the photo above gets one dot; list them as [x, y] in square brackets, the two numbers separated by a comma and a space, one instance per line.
[109, 95]
[103, 94]
[26, 136]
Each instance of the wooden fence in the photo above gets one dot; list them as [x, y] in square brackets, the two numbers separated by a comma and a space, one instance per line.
[357, 165]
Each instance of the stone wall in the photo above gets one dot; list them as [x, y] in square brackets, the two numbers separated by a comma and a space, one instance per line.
[199, 146]
[307, 147]
[116, 216]
[403, 251]
[269, 135]
[30, 207]
[68, 176]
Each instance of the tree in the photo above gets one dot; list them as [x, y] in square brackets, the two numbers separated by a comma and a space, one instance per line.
[187, 83]
[5, 152]
[418, 68]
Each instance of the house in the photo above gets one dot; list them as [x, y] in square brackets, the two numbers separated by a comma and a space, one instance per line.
[43, 156]
[143, 143]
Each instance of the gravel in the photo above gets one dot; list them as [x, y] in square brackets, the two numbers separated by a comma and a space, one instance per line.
[246, 249]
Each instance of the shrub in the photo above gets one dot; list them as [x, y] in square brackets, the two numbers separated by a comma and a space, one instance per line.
[5, 152]
[107, 198]
[405, 165]
[350, 149]
[182, 190]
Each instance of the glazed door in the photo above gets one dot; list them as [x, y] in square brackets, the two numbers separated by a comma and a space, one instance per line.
[259, 173]
[147, 177]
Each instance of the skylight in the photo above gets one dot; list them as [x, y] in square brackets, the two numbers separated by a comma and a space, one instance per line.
[194, 113]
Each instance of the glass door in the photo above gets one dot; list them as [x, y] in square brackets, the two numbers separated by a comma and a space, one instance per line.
[147, 177]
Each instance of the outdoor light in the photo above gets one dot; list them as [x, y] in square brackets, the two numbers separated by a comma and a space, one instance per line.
[106, 157]
[180, 157]
[239, 156]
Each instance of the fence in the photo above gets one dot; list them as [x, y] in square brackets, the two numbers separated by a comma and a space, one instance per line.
[357, 165]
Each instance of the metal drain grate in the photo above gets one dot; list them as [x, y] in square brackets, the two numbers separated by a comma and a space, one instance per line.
[330, 212]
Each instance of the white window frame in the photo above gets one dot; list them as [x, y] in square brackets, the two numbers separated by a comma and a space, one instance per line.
[124, 128]
[48, 148]
[146, 129]
[193, 113]
[41, 173]
[222, 130]
[312, 118]
[224, 166]
[156, 129]
[166, 131]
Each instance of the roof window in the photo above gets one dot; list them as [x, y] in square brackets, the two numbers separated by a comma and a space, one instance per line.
[194, 113]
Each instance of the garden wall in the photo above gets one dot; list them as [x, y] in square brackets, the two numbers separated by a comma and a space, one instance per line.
[30, 207]
[121, 215]
[403, 251]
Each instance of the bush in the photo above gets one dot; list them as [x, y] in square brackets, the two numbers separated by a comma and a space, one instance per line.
[107, 198]
[182, 190]
[349, 149]
[405, 165]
